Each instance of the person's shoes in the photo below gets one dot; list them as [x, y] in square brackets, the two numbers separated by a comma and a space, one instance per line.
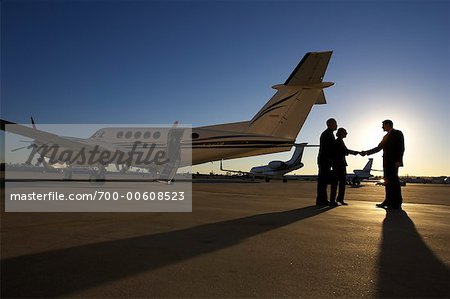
[333, 204]
[381, 205]
[343, 203]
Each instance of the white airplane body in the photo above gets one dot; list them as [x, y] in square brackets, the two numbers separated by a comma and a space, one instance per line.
[280, 168]
[360, 174]
[273, 129]
[276, 169]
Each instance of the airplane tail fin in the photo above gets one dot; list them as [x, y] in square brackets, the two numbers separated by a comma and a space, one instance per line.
[285, 113]
[298, 154]
[368, 166]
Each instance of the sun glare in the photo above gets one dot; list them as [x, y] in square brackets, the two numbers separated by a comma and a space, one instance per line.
[368, 132]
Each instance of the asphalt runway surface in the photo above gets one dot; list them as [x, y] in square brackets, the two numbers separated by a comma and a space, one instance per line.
[241, 240]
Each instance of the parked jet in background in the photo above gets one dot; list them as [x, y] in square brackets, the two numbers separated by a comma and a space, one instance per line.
[276, 169]
[360, 174]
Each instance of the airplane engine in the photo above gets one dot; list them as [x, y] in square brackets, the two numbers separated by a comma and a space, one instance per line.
[277, 165]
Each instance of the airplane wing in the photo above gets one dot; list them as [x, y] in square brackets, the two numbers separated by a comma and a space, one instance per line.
[52, 139]
[234, 171]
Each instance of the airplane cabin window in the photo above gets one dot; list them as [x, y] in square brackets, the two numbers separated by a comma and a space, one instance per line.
[98, 134]
[119, 134]
[128, 135]
[137, 135]
[156, 135]
[147, 135]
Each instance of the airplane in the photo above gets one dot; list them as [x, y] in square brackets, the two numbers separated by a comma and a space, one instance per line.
[358, 175]
[276, 169]
[273, 129]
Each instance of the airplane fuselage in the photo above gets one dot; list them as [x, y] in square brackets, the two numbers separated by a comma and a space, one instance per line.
[141, 146]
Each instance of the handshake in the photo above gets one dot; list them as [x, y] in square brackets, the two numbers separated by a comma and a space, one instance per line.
[362, 153]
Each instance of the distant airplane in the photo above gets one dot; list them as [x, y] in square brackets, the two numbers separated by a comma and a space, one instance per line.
[360, 174]
[276, 169]
[273, 129]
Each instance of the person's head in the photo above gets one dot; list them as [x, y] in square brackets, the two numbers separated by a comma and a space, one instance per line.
[341, 133]
[332, 124]
[387, 125]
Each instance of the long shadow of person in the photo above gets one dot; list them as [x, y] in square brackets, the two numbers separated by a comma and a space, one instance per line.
[59, 272]
[407, 267]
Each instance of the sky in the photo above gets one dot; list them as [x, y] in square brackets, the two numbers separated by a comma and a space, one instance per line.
[211, 62]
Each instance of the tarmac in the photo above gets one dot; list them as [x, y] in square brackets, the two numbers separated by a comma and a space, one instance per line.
[243, 239]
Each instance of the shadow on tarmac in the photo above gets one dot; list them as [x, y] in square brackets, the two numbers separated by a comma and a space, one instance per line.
[60, 272]
[407, 267]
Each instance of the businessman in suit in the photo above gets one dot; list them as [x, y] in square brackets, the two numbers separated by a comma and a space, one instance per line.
[393, 146]
[325, 162]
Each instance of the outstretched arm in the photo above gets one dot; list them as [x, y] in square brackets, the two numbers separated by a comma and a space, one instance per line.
[372, 151]
[377, 148]
[352, 152]
[345, 149]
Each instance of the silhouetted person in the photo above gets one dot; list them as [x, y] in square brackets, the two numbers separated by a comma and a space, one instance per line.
[393, 146]
[340, 167]
[325, 161]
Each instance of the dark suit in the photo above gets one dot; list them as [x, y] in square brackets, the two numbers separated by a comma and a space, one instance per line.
[324, 161]
[340, 169]
[393, 146]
